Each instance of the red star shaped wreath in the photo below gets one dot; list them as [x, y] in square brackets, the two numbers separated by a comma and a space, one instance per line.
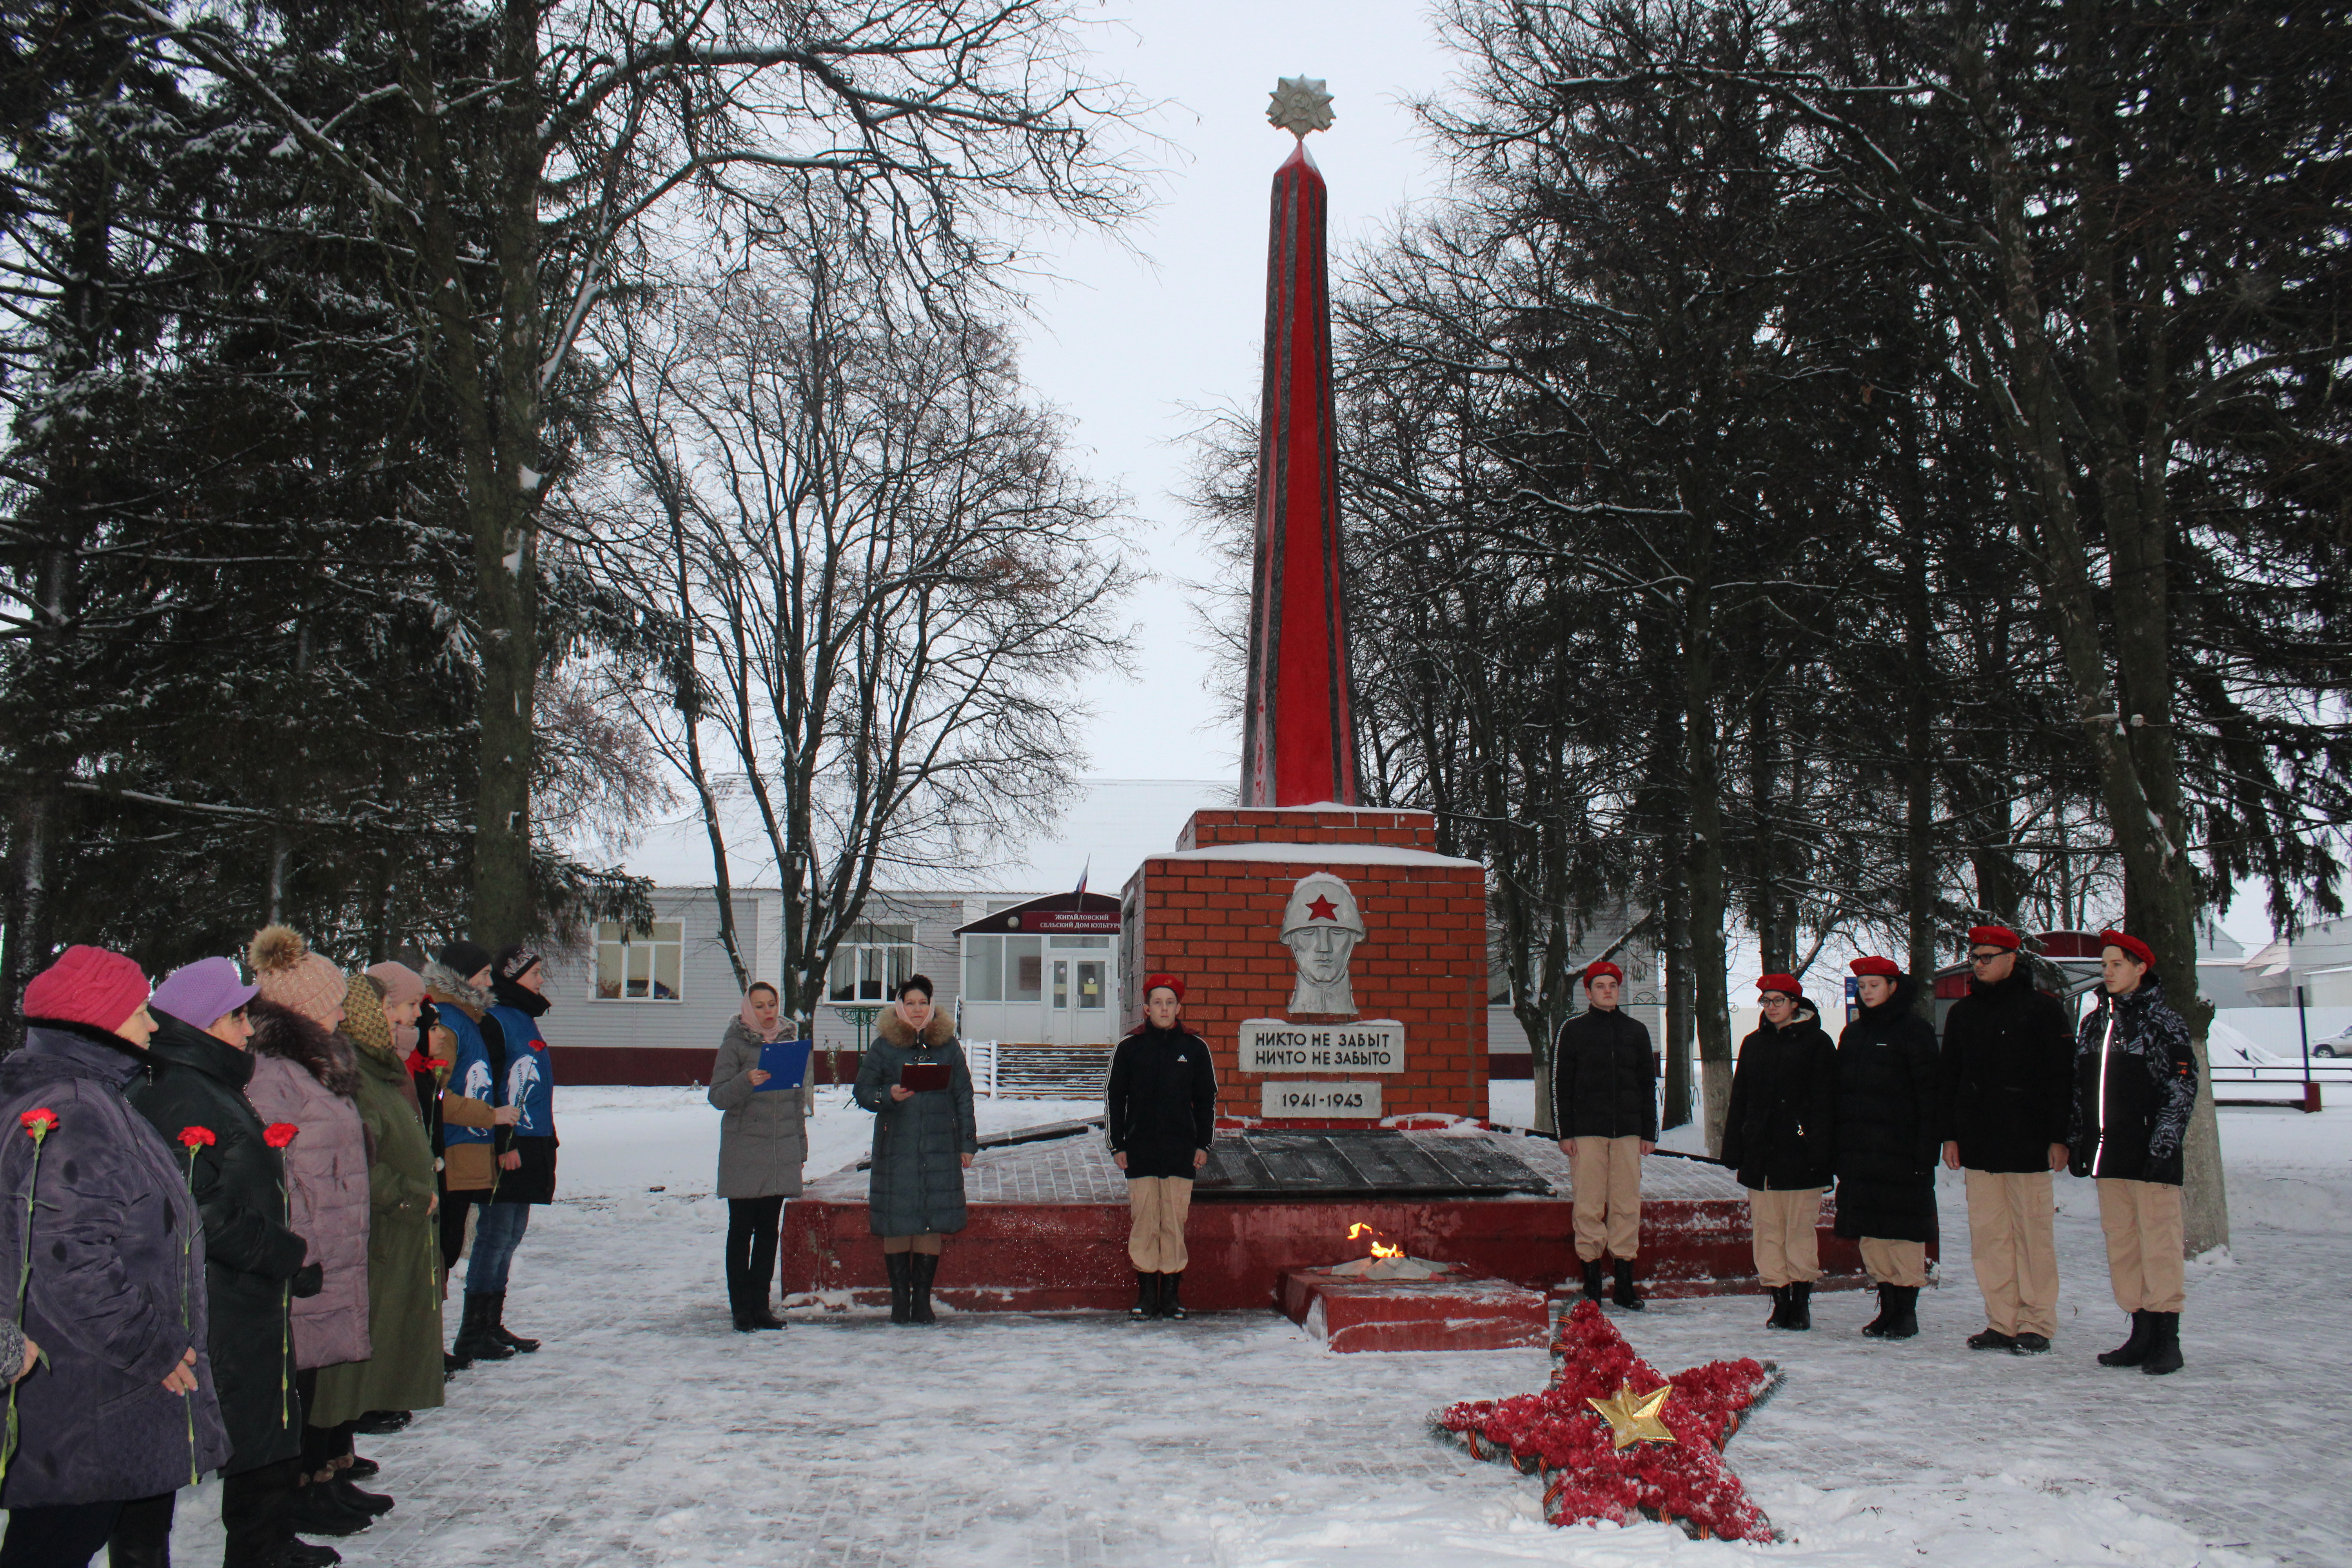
[1582, 1436]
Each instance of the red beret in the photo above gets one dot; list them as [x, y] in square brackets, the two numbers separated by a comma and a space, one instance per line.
[1995, 936]
[1875, 965]
[87, 986]
[1154, 982]
[1598, 968]
[1785, 982]
[2130, 944]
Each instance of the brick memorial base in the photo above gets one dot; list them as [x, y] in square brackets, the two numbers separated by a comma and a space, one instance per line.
[1211, 911]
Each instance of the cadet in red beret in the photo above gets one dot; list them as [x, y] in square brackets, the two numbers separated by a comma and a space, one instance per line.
[1160, 1116]
[1777, 1140]
[2007, 1077]
[1604, 1111]
[2134, 1085]
[1889, 1128]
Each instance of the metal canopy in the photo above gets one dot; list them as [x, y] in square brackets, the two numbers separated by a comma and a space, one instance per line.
[1372, 1164]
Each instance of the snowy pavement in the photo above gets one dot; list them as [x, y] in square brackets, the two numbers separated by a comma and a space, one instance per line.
[648, 1432]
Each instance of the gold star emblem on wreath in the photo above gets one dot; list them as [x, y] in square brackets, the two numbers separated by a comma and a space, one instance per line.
[1633, 1417]
[1299, 105]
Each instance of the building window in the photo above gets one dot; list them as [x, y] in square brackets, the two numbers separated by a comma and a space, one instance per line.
[640, 966]
[870, 961]
[1003, 969]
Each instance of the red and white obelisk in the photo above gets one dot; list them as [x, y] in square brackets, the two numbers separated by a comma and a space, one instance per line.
[1299, 729]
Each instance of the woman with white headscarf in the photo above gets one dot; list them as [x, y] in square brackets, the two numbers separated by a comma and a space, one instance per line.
[762, 1144]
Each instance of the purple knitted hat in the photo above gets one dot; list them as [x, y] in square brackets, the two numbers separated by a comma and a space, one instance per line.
[202, 993]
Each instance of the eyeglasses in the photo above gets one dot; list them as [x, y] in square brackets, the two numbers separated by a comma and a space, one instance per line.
[1989, 957]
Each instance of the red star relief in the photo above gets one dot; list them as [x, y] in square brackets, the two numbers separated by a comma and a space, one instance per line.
[1560, 1436]
[1322, 909]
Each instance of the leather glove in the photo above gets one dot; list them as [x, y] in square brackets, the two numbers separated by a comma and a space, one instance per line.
[308, 1280]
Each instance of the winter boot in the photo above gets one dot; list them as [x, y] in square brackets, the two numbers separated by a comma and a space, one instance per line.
[901, 1286]
[372, 1504]
[1902, 1320]
[476, 1339]
[1170, 1306]
[1780, 1307]
[763, 1317]
[2030, 1343]
[926, 1268]
[2163, 1345]
[452, 1364]
[1878, 1325]
[316, 1510]
[1625, 1296]
[361, 1468]
[513, 1342]
[376, 1423]
[2132, 1351]
[1592, 1280]
[1800, 1315]
[1147, 1297]
[1992, 1338]
[305, 1555]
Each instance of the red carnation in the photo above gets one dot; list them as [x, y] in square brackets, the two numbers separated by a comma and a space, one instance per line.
[278, 1134]
[194, 1137]
[40, 1122]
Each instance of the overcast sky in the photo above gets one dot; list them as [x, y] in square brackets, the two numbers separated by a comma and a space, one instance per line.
[1126, 341]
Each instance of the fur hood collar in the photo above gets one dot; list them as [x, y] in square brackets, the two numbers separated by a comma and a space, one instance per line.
[891, 1029]
[447, 988]
[284, 1033]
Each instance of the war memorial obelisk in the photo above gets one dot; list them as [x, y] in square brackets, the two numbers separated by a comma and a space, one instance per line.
[1337, 962]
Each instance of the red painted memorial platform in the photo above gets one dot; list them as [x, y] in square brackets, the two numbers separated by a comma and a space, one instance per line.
[1455, 1310]
[1048, 1224]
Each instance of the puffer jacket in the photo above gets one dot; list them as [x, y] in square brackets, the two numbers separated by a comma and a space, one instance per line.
[1889, 1122]
[2134, 1084]
[116, 1292]
[1779, 1134]
[918, 1143]
[2007, 1074]
[251, 1253]
[763, 1136]
[1604, 1079]
[1160, 1108]
[304, 1075]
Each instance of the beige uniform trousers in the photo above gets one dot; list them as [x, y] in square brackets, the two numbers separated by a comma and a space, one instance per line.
[2015, 1250]
[1155, 1235]
[1606, 1173]
[2142, 1220]
[1784, 1225]
[1894, 1262]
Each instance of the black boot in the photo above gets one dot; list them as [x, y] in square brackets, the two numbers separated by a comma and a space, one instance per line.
[1147, 1297]
[926, 1268]
[901, 1286]
[1625, 1296]
[1991, 1339]
[2163, 1345]
[513, 1342]
[1800, 1315]
[1901, 1319]
[1170, 1306]
[316, 1510]
[372, 1504]
[376, 1423]
[143, 1534]
[2134, 1350]
[1779, 1319]
[1592, 1280]
[476, 1340]
[763, 1317]
[300, 1553]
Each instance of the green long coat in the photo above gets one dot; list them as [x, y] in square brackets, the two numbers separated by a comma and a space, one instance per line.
[404, 1257]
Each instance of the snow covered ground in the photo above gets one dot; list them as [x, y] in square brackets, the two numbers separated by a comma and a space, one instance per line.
[647, 1432]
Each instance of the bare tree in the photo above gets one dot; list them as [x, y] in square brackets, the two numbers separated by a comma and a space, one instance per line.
[889, 582]
[525, 162]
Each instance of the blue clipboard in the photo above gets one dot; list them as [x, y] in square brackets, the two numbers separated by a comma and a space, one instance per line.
[786, 1063]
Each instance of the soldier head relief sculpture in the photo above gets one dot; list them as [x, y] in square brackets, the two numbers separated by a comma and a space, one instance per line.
[1321, 926]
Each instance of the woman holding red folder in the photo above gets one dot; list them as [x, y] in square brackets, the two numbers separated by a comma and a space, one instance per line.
[914, 1080]
[762, 1146]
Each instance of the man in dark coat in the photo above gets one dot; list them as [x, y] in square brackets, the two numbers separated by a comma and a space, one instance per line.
[1889, 1127]
[2007, 1077]
[2135, 1086]
[1604, 1111]
[124, 1407]
[1777, 1138]
[1161, 1114]
[253, 1262]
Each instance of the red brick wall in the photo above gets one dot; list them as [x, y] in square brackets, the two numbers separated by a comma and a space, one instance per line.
[1422, 961]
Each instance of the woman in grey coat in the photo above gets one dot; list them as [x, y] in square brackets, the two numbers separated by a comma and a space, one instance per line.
[923, 1142]
[762, 1144]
